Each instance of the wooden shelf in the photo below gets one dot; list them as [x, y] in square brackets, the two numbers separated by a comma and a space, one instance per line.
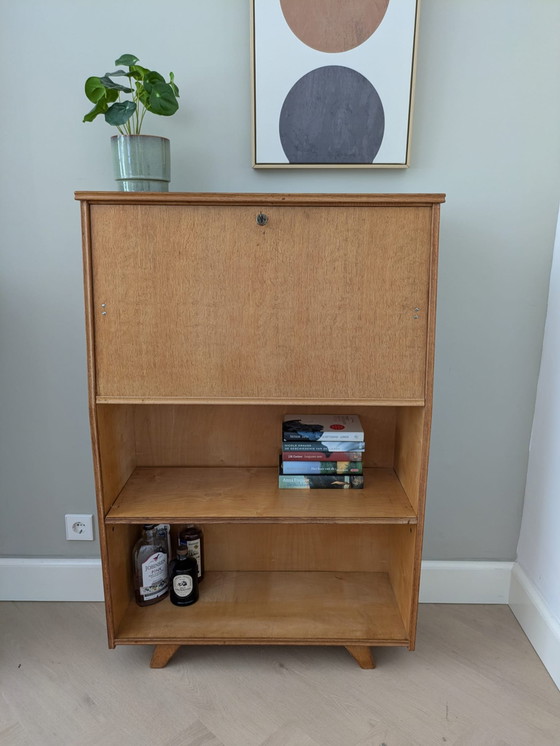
[311, 608]
[278, 401]
[251, 495]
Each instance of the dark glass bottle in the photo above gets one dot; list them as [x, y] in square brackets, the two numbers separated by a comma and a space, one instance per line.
[183, 585]
[150, 563]
[191, 538]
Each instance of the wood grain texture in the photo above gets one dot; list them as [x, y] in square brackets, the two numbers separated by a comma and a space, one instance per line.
[109, 475]
[362, 655]
[242, 198]
[209, 435]
[410, 449]
[332, 403]
[117, 567]
[117, 450]
[201, 302]
[274, 608]
[401, 556]
[209, 495]
[332, 303]
[297, 547]
[162, 655]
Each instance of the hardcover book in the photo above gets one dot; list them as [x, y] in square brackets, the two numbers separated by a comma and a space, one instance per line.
[320, 481]
[322, 467]
[322, 427]
[322, 456]
[330, 446]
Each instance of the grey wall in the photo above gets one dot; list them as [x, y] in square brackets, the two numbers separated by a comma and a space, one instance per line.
[487, 108]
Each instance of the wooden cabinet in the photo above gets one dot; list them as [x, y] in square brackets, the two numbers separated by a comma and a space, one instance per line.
[210, 316]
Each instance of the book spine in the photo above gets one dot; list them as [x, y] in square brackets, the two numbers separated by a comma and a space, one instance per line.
[351, 445]
[322, 456]
[322, 467]
[319, 481]
[307, 437]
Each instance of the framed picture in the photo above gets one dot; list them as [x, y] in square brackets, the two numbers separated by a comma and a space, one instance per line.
[332, 82]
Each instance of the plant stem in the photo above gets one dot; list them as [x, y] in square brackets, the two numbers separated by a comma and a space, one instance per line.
[142, 120]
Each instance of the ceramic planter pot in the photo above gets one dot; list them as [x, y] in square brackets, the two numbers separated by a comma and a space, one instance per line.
[141, 163]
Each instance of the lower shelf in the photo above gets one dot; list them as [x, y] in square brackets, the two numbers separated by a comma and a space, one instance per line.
[246, 608]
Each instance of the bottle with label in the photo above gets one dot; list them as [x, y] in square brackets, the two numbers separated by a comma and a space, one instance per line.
[183, 578]
[151, 570]
[191, 538]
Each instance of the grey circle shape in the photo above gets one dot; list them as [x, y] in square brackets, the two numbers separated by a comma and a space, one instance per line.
[332, 114]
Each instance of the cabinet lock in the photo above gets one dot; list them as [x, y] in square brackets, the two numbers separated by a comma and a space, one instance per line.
[262, 219]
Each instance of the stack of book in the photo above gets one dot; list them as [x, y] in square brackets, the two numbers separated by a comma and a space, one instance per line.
[322, 451]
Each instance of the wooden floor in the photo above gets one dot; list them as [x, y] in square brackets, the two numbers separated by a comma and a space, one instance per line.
[474, 680]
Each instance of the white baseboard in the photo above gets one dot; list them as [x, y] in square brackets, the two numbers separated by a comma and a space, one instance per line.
[465, 582]
[542, 629]
[80, 580]
[50, 579]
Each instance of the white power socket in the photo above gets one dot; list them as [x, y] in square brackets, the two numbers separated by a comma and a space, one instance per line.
[79, 527]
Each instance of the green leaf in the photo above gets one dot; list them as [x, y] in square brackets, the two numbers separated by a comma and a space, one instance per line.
[126, 59]
[95, 90]
[99, 108]
[150, 79]
[138, 72]
[117, 73]
[162, 100]
[120, 113]
[173, 84]
[108, 83]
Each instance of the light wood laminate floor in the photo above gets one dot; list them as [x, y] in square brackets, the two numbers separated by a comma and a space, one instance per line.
[473, 680]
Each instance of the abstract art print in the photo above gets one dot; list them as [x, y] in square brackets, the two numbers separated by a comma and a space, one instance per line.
[332, 82]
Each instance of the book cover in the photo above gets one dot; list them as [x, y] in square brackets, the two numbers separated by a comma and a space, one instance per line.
[320, 481]
[322, 427]
[322, 467]
[334, 446]
[322, 456]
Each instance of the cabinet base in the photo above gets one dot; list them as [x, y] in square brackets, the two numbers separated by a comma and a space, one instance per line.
[362, 655]
[163, 653]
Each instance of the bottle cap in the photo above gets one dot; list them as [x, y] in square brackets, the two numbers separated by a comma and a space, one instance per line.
[182, 552]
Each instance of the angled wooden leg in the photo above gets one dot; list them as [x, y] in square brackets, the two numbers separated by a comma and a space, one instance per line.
[362, 654]
[162, 655]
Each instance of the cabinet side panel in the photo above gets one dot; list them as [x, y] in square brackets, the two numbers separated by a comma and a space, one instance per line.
[411, 452]
[295, 547]
[120, 542]
[240, 435]
[402, 542]
[95, 440]
[117, 449]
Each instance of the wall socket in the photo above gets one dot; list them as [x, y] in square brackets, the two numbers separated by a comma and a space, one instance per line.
[79, 527]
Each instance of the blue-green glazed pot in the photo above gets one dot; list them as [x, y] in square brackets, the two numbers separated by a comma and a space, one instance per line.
[141, 163]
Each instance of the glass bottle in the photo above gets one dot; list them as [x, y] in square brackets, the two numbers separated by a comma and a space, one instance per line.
[183, 590]
[191, 538]
[151, 569]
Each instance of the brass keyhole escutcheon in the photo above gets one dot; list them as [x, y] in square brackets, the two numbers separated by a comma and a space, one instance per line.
[262, 219]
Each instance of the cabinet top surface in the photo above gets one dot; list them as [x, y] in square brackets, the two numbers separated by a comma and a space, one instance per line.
[216, 198]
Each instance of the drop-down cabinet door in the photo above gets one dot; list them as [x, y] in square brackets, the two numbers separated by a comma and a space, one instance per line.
[264, 302]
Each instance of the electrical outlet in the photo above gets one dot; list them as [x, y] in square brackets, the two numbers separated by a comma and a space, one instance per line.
[79, 527]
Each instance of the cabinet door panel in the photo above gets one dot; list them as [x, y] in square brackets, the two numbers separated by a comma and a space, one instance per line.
[202, 302]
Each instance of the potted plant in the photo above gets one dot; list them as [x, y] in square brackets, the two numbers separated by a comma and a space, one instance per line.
[141, 162]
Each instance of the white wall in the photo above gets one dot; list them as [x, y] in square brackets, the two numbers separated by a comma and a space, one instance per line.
[539, 544]
[487, 108]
